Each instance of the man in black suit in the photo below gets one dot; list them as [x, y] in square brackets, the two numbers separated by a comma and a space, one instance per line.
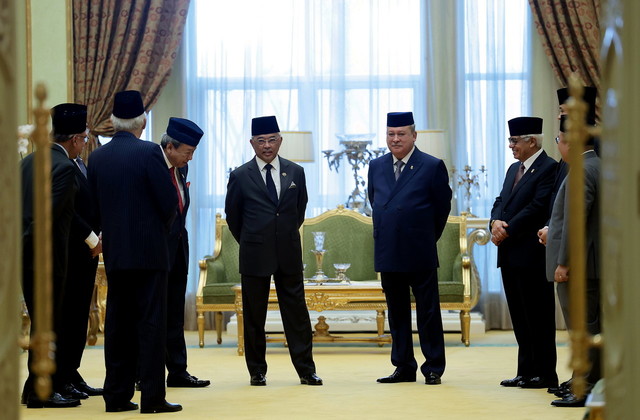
[69, 122]
[265, 206]
[178, 144]
[518, 212]
[84, 248]
[136, 204]
[411, 199]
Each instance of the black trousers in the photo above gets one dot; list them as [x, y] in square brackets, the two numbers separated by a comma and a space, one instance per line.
[531, 301]
[27, 290]
[295, 319]
[176, 347]
[135, 336]
[57, 324]
[81, 274]
[397, 289]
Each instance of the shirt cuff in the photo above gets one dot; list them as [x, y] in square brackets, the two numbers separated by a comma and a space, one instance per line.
[92, 240]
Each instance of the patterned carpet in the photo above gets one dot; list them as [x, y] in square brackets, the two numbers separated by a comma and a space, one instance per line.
[469, 390]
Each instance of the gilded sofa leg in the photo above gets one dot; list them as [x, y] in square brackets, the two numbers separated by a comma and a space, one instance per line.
[240, 318]
[218, 317]
[380, 324]
[465, 326]
[201, 328]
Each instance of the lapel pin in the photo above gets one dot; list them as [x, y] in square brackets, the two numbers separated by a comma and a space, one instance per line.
[411, 167]
[284, 174]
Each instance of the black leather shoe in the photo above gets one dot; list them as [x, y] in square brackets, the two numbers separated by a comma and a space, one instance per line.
[398, 376]
[537, 382]
[55, 401]
[432, 379]
[570, 400]
[562, 392]
[563, 388]
[89, 390]
[512, 382]
[164, 407]
[70, 392]
[187, 381]
[129, 406]
[258, 379]
[310, 379]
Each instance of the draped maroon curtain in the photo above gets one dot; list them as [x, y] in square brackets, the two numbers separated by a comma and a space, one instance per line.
[570, 35]
[121, 45]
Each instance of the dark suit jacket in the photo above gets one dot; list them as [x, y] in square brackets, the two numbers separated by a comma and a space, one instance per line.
[84, 220]
[136, 203]
[63, 189]
[525, 209]
[558, 235]
[408, 215]
[267, 233]
[178, 235]
[561, 173]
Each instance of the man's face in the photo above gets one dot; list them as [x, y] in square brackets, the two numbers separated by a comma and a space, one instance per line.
[77, 144]
[522, 147]
[266, 146]
[179, 156]
[563, 146]
[562, 110]
[400, 140]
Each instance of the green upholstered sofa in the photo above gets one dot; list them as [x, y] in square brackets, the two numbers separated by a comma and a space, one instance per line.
[348, 239]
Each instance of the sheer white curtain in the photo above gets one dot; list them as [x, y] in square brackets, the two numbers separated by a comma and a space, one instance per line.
[325, 66]
[494, 87]
[338, 66]
[478, 77]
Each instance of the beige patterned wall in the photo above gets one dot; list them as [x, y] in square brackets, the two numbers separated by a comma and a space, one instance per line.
[9, 216]
[620, 208]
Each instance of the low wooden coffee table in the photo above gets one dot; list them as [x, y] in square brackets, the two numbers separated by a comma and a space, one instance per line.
[356, 296]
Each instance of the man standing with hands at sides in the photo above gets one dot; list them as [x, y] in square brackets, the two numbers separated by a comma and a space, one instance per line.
[69, 122]
[411, 200]
[558, 264]
[178, 144]
[518, 212]
[265, 206]
[136, 203]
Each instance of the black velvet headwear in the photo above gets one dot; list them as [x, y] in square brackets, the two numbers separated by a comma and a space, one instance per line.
[525, 125]
[185, 131]
[69, 118]
[589, 95]
[264, 125]
[399, 119]
[128, 104]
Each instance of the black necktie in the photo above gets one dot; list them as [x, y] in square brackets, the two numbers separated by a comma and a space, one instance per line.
[271, 186]
[81, 165]
[399, 164]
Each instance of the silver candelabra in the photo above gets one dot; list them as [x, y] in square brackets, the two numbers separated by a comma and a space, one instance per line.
[471, 183]
[358, 156]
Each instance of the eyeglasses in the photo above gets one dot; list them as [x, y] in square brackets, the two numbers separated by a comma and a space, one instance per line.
[514, 140]
[270, 141]
[84, 136]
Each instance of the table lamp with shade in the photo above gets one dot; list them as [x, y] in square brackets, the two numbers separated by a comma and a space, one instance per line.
[297, 146]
